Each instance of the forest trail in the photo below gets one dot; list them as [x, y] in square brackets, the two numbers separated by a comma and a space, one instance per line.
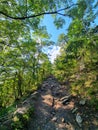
[55, 109]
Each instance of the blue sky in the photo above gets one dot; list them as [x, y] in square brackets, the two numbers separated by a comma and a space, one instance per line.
[48, 21]
[54, 50]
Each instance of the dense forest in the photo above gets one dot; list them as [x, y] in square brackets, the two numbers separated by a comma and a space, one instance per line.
[23, 64]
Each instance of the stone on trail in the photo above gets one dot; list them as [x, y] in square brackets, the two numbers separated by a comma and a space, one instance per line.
[21, 110]
[79, 119]
[65, 101]
[34, 95]
[74, 110]
[65, 97]
[63, 120]
[82, 102]
[54, 119]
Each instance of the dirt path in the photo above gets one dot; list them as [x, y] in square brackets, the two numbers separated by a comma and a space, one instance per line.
[54, 109]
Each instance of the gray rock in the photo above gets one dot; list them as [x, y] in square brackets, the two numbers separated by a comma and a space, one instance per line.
[53, 113]
[79, 119]
[20, 110]
[74, 110]
[65, 97]
[54, 119]
[63, 120]
[34, 95]
[82, 102]
[65, 101]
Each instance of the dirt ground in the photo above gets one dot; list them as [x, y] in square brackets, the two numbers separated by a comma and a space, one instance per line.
[56, 109]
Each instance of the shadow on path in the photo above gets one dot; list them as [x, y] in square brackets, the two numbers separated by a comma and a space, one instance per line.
[51, 113]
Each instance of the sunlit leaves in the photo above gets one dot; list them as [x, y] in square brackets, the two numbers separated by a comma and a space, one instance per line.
[79, 58]
[59, 22]
[41, 33]
[22, 63]
[76, 28]
[79, 65]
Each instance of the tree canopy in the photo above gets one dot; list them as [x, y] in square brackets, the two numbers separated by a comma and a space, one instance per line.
[23, 65]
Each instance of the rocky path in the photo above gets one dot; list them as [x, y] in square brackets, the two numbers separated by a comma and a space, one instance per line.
[55, 109]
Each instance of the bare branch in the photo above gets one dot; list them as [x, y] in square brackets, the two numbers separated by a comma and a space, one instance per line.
[62, 14]
[26, 17]
[68, 7]
[36, 15]
[65, 15]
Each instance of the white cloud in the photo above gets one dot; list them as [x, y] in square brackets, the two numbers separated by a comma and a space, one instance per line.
[53, 51]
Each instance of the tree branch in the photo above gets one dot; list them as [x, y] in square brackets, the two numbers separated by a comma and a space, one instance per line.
[65, 15]
[68, 7]
[26, 17]
[36, 15]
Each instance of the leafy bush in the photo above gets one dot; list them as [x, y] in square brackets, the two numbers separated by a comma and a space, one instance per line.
[20, 121]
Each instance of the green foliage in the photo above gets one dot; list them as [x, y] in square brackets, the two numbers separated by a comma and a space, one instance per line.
[31, 111]
[78, 64]
[3, 128]
[20, 52]
[23, 65]
[59, 22]
[21, 72]
[20, 121]
[20, 57]
[78, 61]
[7, 111]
